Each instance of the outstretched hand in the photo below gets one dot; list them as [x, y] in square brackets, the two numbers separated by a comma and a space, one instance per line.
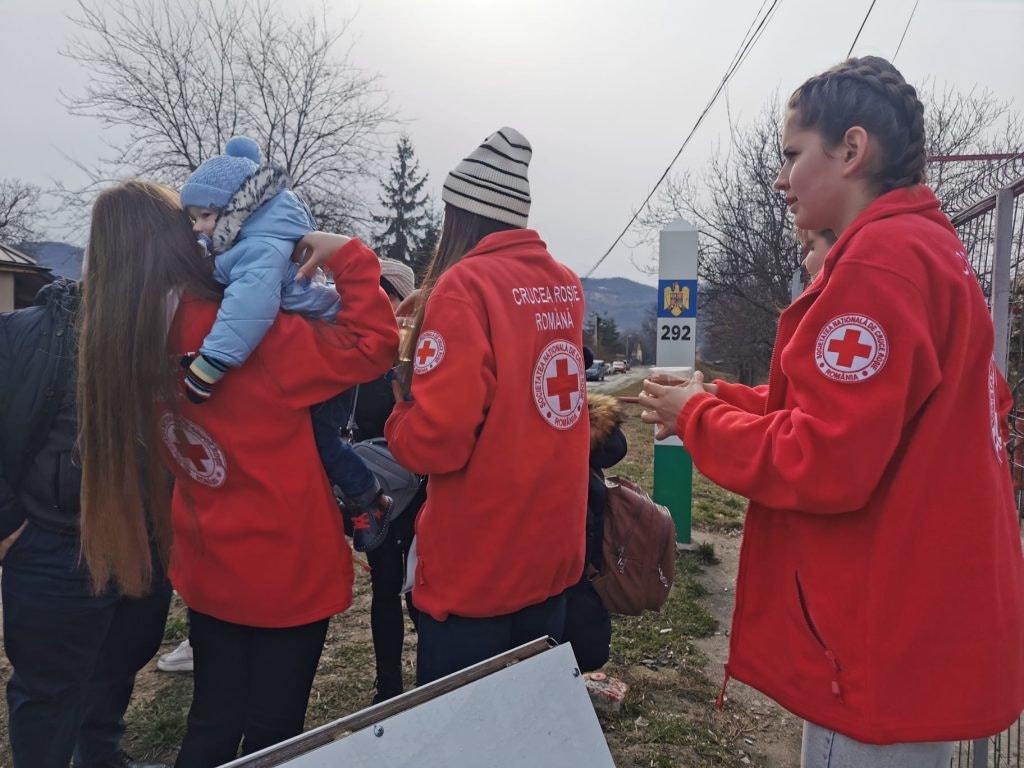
[663, 404]
[314, 249]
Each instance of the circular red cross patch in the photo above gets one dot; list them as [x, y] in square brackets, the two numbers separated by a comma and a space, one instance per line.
[429, 352]
[194, 450]
[851, 349]
[559, 387]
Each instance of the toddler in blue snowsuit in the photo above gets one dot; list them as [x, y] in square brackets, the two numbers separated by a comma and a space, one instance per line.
[250, 221]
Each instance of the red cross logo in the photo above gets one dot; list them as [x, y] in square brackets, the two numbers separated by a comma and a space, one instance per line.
[558, 389]
[425, 352]
[194, 452]
[563, 384]
[429, 352]
[849, 348]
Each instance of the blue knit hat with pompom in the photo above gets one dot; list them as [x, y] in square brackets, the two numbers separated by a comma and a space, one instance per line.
[213, 183]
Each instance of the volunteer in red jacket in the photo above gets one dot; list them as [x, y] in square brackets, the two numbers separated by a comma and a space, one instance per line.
[259, 552]
[881, 585]
[497, 420]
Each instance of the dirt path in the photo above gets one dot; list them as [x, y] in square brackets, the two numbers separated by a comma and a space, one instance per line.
[765, 727]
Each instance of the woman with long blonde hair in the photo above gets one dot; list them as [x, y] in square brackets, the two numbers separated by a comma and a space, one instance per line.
[75, 649]
[259, 553]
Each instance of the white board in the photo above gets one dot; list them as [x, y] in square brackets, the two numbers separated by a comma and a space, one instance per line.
[535, 713]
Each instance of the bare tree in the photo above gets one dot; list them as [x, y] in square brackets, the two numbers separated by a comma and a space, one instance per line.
[746, 247]
[971, 123]
[746, 243]
[175, 80]
[19, 207]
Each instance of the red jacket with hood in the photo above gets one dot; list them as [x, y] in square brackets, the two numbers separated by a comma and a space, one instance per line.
[881, 582]
[258, 538]
[498, 419]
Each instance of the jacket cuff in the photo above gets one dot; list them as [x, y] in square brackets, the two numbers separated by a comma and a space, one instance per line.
[208, 369]
[683, 419]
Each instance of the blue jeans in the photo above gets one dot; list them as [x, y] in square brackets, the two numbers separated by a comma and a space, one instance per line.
[443, 647]
[823, 748]
[343, 466]
[74, 653]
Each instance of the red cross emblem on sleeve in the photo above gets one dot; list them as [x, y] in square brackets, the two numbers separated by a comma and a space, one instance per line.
[851, 349]
[559, 387]
[429, 352]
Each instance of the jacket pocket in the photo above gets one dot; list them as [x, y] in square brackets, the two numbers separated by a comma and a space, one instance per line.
[836, 667]
[68, 484]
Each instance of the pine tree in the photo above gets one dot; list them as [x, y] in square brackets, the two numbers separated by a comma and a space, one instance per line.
[428, 243]
[601, 334]
[406, 217]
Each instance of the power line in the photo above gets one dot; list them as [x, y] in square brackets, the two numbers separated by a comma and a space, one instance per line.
[912, 12]
[737, 61]
[866, 15]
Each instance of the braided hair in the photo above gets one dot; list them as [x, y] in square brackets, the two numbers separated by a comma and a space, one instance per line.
[871, 93]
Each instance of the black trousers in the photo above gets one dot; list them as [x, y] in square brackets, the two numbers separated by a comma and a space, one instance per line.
[387, 624]
[251, 686]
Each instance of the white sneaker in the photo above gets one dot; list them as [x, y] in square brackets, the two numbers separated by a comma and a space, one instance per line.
[178, 660]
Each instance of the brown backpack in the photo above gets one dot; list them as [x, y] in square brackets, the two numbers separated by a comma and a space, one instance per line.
[638, 549]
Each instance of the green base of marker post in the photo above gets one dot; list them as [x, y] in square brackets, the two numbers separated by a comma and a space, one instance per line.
[673, 487]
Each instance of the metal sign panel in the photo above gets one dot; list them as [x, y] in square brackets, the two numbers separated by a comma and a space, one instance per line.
[535, 713]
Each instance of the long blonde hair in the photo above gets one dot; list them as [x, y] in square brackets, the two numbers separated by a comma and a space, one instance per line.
[141, 247]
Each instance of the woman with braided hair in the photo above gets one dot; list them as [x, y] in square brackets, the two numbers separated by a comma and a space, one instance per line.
[880, 594]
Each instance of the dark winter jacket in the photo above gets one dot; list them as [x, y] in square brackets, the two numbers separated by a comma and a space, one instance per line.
[39, 478]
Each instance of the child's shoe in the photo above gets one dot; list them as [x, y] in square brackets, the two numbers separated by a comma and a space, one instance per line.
[370, 521]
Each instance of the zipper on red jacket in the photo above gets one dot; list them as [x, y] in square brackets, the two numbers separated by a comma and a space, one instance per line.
[837, 691]
[720, 701]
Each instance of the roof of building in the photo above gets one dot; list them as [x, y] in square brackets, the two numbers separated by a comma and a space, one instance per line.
[11, 259]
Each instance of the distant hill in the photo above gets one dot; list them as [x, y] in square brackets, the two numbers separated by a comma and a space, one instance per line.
[62, 259]
[626, 301]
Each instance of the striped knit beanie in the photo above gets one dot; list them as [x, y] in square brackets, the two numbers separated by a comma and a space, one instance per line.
[492, 181]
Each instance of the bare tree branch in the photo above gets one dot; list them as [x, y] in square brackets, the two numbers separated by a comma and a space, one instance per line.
[173, 81]
[19, 210]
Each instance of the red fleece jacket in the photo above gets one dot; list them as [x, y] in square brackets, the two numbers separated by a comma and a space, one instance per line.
[499, 422]
[881, 582]
[258, 538]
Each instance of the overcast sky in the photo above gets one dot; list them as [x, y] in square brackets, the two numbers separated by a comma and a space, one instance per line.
[605, 90]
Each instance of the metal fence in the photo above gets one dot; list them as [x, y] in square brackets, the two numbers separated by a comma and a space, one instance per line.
[992, 231]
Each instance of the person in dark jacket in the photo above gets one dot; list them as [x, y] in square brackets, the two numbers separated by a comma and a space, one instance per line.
[588, 626]
[74, 652]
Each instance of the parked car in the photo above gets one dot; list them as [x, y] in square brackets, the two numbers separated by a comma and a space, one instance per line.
[596, 372]
[619, 366]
